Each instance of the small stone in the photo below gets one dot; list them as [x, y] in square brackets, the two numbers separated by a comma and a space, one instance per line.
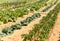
[58, 40]
[59, 36]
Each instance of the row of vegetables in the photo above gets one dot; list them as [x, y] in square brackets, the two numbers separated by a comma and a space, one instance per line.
[18, 2]
[41, 31]
[11, 15]
[10, 30]
[52, 4]
[46, 9]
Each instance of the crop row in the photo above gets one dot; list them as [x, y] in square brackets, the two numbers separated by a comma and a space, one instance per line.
[9, 30]
[45, 31]
[52, 4]
[17, 3]
[12, 14]
[46, 9]
[41, 30]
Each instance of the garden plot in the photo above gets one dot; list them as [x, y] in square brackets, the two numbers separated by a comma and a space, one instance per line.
[36, 30]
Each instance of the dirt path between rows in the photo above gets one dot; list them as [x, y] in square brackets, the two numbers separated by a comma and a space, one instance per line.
[54, 34]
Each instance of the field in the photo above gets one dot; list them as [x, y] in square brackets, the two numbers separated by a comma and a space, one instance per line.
[29, 20]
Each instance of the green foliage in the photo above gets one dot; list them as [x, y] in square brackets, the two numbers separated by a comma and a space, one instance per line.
[11, 15]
